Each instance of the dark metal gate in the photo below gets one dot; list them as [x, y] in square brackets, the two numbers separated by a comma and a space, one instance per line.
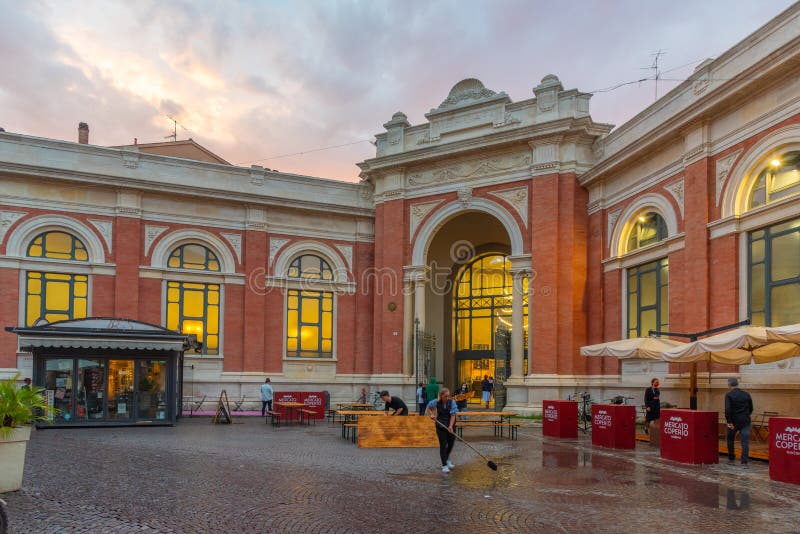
[424, 347]
[502, 366]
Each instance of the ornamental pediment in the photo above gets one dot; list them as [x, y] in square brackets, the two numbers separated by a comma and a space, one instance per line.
[470, 170]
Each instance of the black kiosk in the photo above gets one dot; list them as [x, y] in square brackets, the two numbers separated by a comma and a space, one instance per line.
[104, 371]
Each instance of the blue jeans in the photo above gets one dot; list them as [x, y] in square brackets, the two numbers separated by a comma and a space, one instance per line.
[745, 435]
[265, 405]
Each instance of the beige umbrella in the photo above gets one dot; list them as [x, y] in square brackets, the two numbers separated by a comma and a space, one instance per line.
[740, 346]
[641, 348]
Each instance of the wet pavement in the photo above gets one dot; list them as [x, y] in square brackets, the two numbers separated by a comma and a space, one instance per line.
[250, 477]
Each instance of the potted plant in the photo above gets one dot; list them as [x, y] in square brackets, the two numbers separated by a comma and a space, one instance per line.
[19, 407]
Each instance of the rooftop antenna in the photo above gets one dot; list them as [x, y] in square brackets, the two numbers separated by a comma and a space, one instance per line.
[174, 134]
[654, 67]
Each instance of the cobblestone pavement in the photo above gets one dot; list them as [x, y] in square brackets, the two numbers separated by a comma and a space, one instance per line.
[249, 477]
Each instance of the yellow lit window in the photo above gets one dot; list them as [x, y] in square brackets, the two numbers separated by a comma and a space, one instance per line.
[57, 246]
[648, 228]
[195, 257]
[193, 308]
[648, 298]
[779, 179]
[309, 320]
[55, 297]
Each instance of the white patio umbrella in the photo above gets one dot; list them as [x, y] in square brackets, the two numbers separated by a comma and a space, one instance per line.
[740, 346]
[641, 348]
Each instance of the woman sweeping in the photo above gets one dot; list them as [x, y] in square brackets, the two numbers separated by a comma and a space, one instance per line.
[443, 411]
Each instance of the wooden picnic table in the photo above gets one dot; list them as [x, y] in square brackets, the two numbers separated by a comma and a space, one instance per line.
[498, 420]
[355, 405]
[350, 418]
[292, 409]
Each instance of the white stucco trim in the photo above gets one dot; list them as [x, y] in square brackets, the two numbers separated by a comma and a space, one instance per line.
[327, 253]
[742, 177]
[172, 240]
[442, 215]
[22, 235]
[649, 202]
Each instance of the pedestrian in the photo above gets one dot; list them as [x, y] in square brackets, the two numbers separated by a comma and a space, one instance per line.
[738, 407]
[26, 384]
[443, 410]
[362, 397]
[393, 403]
[652, 404]
[486, 390]
[461, 397]
[422, 398]
[266, 396]
[432, 389]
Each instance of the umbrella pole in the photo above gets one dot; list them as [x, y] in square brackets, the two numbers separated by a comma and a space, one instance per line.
[693, 387]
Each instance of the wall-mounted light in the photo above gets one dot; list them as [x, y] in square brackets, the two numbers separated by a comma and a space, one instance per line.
[775, 162]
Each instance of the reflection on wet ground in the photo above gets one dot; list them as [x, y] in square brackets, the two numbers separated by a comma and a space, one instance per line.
[252, 478]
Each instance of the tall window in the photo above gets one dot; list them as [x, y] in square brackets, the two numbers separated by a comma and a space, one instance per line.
[648, 228]
[56, 296]
[194, 307]
[774, 273]
[778, 180]
[309, 312]
[482, 302]
[648, 298]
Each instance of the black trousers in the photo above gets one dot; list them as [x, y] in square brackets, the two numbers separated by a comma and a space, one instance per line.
[265, 405]
[446, 442]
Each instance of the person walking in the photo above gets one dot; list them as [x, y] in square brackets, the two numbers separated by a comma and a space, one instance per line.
[422, 398]
[486, 390]
[652, 404]
[266, 396]
[393, 403]
[432, 389]
[738, 407]
[444, 410]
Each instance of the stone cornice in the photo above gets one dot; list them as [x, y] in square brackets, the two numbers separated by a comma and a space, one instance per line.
[575, 128]
[687, 103]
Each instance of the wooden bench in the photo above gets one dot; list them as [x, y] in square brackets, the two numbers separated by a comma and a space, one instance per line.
[307, 416]
[350, 429]
[476, 424]
[512, 427]
[274, 418]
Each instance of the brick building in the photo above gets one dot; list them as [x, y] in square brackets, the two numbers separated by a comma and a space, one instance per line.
[496, 239]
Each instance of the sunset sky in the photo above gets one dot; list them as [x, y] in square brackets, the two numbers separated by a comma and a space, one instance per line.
[260, 79]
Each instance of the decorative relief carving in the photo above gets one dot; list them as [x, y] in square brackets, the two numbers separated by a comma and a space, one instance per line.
[418, 213]
[518, 198]
[546, 101]
[612, 220]
[130, 158]
[106, 230]
[694, 152]
[236, 242]
[469, 89]
[723, 169]
[465, 196]
[676, 189]
[275, 244]
[128, 211]
[508, 120]
[150, 235]
[7, 219]
[347, 252]
[367, 190]
[471, 169]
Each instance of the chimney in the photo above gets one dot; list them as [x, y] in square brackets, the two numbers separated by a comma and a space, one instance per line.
[83, 133]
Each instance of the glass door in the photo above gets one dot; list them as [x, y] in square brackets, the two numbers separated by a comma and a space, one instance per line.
[120, 390]
[151, 389]
[91, 390]
[59, 392]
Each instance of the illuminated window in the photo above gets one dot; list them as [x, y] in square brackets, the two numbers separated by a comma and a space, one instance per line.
[195, 257]
[309, 313]
[194, 307]
[648, 298]
[774, 274]
[779, 179]
[648, 228]
[56, 296]
[482, 302]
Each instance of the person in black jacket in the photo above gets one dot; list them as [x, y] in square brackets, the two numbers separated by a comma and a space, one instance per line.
[652, 404]
[738, 407]
[393, 403]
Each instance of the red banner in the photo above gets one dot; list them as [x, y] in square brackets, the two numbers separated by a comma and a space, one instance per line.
[784, 449]
[314, 400]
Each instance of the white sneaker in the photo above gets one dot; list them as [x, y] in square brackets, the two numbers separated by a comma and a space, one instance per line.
[450, 464]
[445, 469]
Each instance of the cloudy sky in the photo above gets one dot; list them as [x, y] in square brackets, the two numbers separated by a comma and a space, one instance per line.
[257, 80]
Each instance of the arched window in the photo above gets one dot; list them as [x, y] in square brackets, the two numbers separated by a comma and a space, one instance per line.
[194, 307]
[195, 257]
[309, 312]
[648, 228]
[779, 179]
[310, 267]
[51, 295]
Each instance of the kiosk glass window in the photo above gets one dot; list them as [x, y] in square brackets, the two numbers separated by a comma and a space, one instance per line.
[120, 389]
[648, 298]
[91, 390]
[58, 384]
[774, 274]
[151, 389]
